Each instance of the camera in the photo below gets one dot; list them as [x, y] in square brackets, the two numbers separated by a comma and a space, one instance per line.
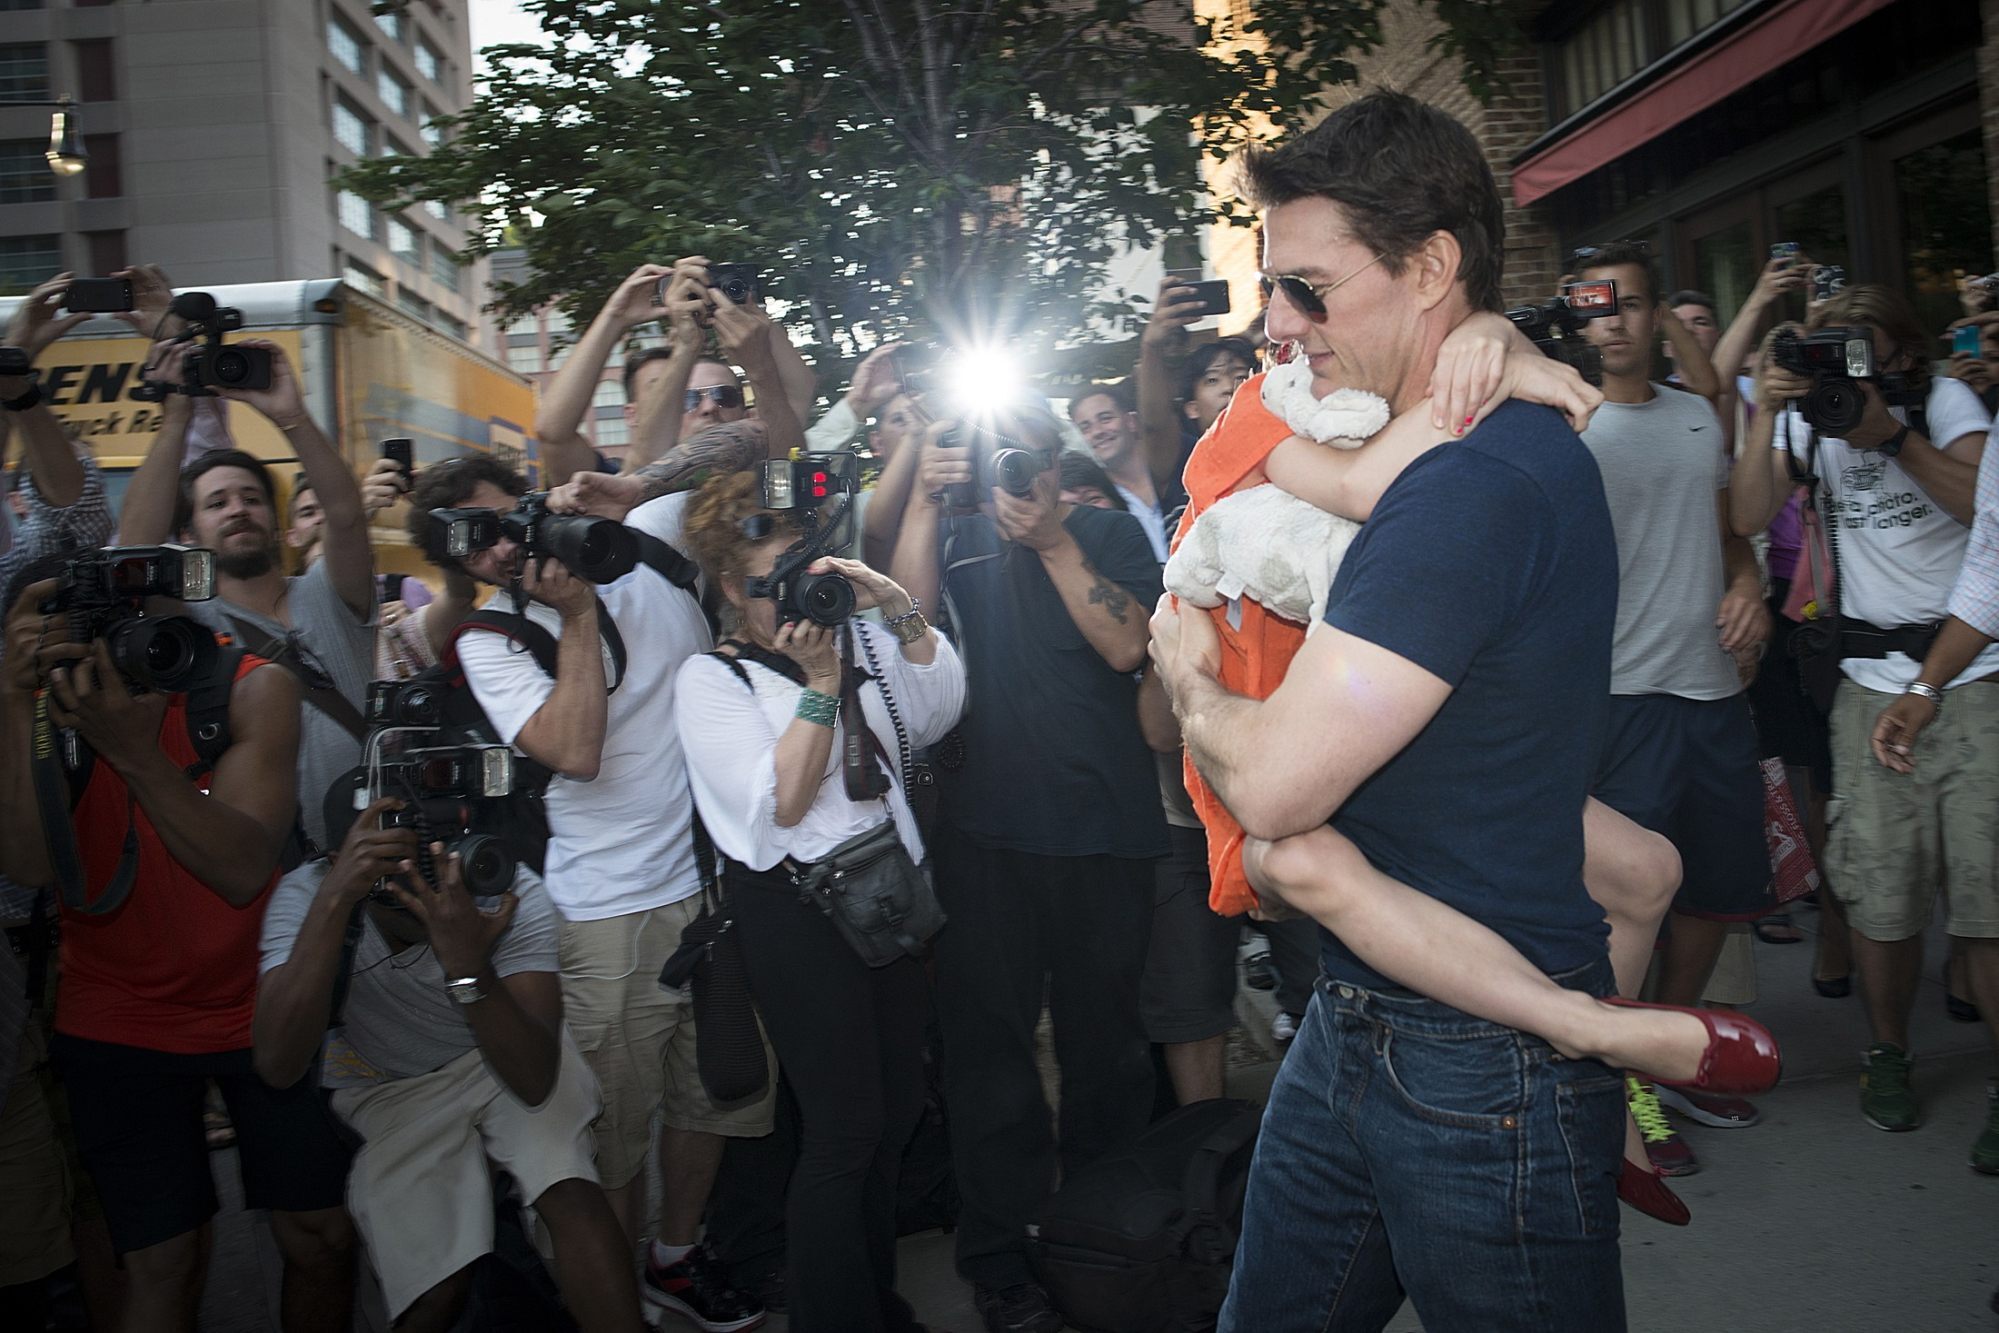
[1833, 359]
[738, 282]
[403, 703]
[597, 550]
[213, 365]
[1828, 281]
[443, 789]
[103, 592]
[1556, 327]
[1009, 467]
[98, 296]
[807, 485]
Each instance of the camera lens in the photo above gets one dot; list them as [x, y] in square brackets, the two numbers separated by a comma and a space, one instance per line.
[597, 549]
[416, 707]
[1015, 470]
[737, 290]
[826, 599]
[1834, 406]
[231, 368]
[166, 655]
[488, 868]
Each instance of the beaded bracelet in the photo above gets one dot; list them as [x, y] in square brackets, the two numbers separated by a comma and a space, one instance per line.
[817, 708]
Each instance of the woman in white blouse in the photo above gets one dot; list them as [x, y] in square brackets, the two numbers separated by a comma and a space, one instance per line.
[761, 733]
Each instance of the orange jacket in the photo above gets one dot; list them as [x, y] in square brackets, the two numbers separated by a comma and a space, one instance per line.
[1229, 458]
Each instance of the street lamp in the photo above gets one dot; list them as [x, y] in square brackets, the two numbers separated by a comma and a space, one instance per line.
[66, 154]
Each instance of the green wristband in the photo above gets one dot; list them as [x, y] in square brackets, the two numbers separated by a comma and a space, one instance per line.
[818, 709]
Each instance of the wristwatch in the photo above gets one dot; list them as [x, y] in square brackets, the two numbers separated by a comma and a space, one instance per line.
[465, 990]
[28, 399]
[1892, 446]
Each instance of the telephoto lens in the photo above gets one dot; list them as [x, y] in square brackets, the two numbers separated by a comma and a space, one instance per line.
[484, 863]
[1015, 470]
[600, 550]
[165, 654]
[823, 599]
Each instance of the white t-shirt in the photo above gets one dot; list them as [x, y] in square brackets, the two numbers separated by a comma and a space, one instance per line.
[1149, 517]
[730, 735]
[1899, 552]
[623, 841]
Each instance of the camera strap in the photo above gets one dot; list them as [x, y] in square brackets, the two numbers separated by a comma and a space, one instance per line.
[59, 830]
[317, 690]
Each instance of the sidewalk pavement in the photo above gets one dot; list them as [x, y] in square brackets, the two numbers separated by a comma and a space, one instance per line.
[1812, 1221]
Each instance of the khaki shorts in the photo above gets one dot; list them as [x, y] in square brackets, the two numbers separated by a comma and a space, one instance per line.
[34, 1174]
[1892, 840]
[419, 1190]
[639, 1039]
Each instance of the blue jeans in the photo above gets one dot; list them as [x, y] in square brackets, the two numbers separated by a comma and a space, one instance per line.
[1411, 1149]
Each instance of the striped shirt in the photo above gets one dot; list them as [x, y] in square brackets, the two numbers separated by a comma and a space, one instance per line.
[1975, 598]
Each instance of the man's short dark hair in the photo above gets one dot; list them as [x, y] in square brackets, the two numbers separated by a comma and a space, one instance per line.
[632, 364]
[1078, 471]
[1202, 358]
[1119, 393]
[207, 463]
[1692, 297]
[1400, 170]
[1619, 254]
[448, 485]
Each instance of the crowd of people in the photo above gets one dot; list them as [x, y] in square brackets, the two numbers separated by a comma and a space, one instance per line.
[1375, 642]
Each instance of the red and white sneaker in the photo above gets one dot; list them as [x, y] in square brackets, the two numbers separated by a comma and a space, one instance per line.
[696, 1289]
[1704, 1108]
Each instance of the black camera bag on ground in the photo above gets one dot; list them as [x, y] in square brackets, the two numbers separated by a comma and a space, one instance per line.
[1143, 1241]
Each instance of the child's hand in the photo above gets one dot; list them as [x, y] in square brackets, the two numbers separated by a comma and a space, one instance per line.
[1464, 385]
[1535, 378]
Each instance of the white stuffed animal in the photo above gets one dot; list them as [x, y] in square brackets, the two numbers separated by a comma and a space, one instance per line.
[1265, 543]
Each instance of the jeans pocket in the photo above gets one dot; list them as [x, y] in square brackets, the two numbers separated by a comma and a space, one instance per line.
[1589, 1110]
[1468, 1082]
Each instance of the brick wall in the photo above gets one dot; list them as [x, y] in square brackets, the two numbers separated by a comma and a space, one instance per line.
[1516, 116]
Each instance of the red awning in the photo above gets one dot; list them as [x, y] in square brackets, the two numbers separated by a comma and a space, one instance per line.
[1764, 44]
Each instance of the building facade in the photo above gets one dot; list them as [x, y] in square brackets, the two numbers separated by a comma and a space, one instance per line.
[215, 129]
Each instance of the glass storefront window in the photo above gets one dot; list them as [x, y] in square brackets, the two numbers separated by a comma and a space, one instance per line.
[1726, 265]
[1946, 228]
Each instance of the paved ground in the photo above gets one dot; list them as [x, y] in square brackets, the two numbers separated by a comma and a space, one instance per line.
[1811, 1221]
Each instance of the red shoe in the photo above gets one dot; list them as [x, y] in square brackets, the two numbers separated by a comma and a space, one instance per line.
[1648, 1193]
[1741, 1057]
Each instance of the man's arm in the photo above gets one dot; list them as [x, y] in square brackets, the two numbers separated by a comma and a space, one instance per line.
[46, 451]
[661, 404]
[1697, 372]
[1947, 471]
[1760, 483]
[1175, 307]
[1743, 617]
[566, 732]
[1107, 613]
[1957, 645]
[146, 515]
[569, 394]
[750, 339]
[882, 522]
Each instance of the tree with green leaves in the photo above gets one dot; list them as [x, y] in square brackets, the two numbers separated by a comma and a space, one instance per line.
[895, 167]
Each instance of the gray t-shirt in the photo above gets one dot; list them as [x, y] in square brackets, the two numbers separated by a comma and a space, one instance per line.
[399, 1021]
[1662, 463]
[328, 640]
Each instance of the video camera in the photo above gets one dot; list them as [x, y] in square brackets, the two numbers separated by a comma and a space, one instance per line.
[597, 550]
[212, 365]
[1556, 327]
[1834, 359]
[807, 486]
[450, 795]
[103, 592]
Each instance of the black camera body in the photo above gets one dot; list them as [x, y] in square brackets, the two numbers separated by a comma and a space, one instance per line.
[1009, 467]
[449, 794]
[597, 550]
[1556, 327]
[213, 365]
[740, 283]
[103, 594]
[403, 703]
[1834, 359]
[807, 485]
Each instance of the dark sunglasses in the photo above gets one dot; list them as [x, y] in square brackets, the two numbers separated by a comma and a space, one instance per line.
[1309, 301]
[1583, 254]
[722, 395]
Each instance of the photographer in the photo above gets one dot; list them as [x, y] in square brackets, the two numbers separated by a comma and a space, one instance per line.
[1897, 491]
[1048, 827]
[449, 1054]
[1176, 407]
[671, 392]
[157, 987]
[764, 739]
[1106, 415]
[318, 625]
[620, 859]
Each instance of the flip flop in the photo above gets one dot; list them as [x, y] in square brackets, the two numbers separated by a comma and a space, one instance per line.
[1777, 929]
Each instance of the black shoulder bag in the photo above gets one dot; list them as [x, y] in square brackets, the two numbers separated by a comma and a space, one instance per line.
[728, 1044]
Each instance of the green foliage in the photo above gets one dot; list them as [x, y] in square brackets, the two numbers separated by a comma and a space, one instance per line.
[896, 167]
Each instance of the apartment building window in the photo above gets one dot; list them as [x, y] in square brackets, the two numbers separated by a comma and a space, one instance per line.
[526, 358]
[612, 431]
[440, 211]
[350, 128]
[610, 393]
[104, 172]
[394, 147]
[404, 243]
[520, 326]
[444, 267]
[452, 325]
[393, 23]
[355, 214]
[344, 43]
[27, 260]
[413, 304]
[25, 177]
[395, 94]
[361, 277]
[433, 133]
[24, 72]
[96, 75]
[428, 62]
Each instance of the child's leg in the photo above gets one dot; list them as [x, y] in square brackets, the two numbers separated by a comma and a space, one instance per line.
[1632, 873]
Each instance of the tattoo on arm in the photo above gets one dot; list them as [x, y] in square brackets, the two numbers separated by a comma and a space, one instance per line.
[729, 447]
[1115, 600]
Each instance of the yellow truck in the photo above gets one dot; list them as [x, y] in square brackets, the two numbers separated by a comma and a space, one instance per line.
[370, 372]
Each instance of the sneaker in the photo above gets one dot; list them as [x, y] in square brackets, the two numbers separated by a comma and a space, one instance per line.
[1283, 1027]
[1706, 1109]
[1886, 1099]
[1669, 1152]
[1985, 1152]
[696, 1289]
[1022, 1308]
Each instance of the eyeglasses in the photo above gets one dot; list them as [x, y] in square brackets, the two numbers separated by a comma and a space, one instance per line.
[722, 395]
[1583, 254]
[1310, 300]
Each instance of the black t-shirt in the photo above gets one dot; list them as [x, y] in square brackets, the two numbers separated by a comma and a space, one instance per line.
[1491, 564]
[1053, 760]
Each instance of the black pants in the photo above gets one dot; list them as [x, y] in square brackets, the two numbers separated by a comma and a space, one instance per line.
[850, 1038]
[1074, 929]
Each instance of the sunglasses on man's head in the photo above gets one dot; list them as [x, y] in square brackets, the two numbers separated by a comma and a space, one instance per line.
[1309, 301]
[1583, 254]
[722, 395]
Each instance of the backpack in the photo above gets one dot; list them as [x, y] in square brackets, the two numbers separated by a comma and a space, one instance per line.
[1143, 1240]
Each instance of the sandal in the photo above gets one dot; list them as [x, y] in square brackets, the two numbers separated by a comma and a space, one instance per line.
[1777, 929]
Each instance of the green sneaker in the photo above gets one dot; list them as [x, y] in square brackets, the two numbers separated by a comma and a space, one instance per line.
[1886, 1099]
[1985, 1152]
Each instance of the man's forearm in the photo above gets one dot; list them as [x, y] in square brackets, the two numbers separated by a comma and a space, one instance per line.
[295, 999]
[1753, 495]
[1740, 571]
[567, 731]
[1957, 644]
[146, 515]
[1158, 418]
[795, 381]
[344, 522]
[567, 397]
[1696, 370]
[886, 506]
[1950, 481]
[1106, 612]
[49, 457]
[783, 424]
[734, 446]
[523, 1053]
[914, 564]
[448, 611]
[656, 416]
[1217, 728]
[231, 853]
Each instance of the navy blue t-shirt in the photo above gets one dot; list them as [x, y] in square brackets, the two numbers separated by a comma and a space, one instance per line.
[1491, 564]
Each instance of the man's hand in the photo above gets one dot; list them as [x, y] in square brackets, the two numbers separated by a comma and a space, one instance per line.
[1895, 731]
[460, 933]
[686, 310]
[598, 494]
[1776, 386]
[284, 401]
[1185, 645]
[1877, 424]
[29, 631]
[37, 321]
[152, 295]
[90, 697]
[1779, 276]
[166, 366]
[1973, 370]
[744, 332]
[549, 582]
[1743, 620]
[370, 853]
[1033, 520]
[383, 487]
[1176, 306]
[875, 382]
[940, 468]
[632, 304]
